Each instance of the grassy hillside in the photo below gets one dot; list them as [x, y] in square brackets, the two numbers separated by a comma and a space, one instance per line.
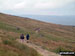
[8, 44]
[50, 36]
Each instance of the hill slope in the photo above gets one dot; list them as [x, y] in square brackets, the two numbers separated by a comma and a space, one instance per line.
[50, 36]
[8, 44]
[39, 49]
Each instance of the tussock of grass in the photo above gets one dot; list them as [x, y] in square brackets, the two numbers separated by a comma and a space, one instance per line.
[6, 42]
[60, 49]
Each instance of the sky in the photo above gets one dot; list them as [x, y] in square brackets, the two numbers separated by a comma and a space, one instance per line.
[38, 7]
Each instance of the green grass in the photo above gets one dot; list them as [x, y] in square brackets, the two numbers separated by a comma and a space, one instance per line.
[8, 52]
[10, 47]
[61, 49]
[58, 38]
[10, 28]
[14, 29]
[10, 41]
[20, 48]
[48, 32]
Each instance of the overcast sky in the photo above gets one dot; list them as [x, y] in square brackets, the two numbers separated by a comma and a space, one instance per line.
[38, 7]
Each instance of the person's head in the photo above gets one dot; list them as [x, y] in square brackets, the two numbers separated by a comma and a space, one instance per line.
[22, 34]
[27, 34]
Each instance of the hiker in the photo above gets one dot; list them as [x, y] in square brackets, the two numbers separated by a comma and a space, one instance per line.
[27, 38]
[22, 37]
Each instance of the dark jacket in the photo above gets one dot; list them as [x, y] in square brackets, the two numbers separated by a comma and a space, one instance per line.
[27, 36]
[22, 36]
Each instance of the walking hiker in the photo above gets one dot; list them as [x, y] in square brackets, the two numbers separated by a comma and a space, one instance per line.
[22, 37]
[27, 37]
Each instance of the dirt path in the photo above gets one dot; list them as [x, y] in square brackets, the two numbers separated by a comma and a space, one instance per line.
[39, 49]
